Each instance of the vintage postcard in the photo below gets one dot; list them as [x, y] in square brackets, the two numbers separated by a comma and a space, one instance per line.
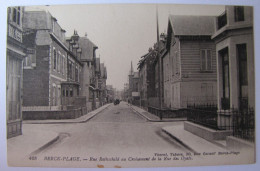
[130, 85]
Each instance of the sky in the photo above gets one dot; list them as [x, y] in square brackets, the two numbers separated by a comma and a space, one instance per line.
[122, 32]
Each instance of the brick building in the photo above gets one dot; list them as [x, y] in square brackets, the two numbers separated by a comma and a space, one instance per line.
[52, 73]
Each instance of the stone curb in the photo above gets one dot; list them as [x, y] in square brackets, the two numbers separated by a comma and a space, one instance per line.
[178, 140]
[69, 122]
[153, 120]
[45, 145]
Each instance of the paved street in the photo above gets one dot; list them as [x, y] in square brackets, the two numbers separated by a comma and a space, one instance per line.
[117, 127]
[116, 131]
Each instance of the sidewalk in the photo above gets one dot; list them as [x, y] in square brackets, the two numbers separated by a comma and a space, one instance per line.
[177, 132]
[81, 119]
[189, 140]
[153, 118]
[36, 137]
[30, 140]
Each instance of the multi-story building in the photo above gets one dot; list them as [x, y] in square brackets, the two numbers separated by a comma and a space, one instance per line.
[51, 74]
[190, 62]
[235, 58]
[235, 69]
[88, 58]
[15, 53]
[146, 77]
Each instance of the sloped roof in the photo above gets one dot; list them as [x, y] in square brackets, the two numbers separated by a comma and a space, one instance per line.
[192, 25]
[87, 48]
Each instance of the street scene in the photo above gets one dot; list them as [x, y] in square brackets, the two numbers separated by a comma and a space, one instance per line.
[138, 86]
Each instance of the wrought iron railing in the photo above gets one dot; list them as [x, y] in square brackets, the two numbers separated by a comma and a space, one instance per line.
[205, 115]
[240, 122]
[244, 124]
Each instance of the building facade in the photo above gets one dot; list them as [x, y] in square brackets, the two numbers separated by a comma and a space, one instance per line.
[235, 66]
[190, 62]
[235, 58]
[52, 74]
[15, 53]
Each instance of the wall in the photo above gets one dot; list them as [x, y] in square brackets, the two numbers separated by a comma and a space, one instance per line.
[63, 114]
[198, 92]
[191, 60]
[231, 42]
[36, 80]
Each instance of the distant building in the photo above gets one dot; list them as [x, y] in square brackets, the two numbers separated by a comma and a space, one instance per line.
[110, 94]
[133, 92]
[126, 87]
[89, 83]
[102, 83]
[15, 53]
[146, 77]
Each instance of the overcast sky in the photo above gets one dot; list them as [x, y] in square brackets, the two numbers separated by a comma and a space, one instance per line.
[123, 33]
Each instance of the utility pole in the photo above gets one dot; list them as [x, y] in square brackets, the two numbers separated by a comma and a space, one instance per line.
[160, 65]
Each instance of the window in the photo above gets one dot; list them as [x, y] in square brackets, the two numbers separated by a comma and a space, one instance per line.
[206, 60]
[54, 59]
[243, 75]
[239, 13]
[176, 63]
[76, 74]
[61, 63]
[222, 20]
[70, 70]
[71, 92]
[27, 61]
[64, 64]
[16, 15]
[67, 93]
[58, 62]
[225, 101]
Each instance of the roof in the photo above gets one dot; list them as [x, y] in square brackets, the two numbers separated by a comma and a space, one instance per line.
[192, 25]
[87, 47]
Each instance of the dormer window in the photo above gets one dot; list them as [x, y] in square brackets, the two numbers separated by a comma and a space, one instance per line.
[239, 13]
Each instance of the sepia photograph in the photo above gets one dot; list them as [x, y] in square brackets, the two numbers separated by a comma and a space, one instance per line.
[130, 85]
